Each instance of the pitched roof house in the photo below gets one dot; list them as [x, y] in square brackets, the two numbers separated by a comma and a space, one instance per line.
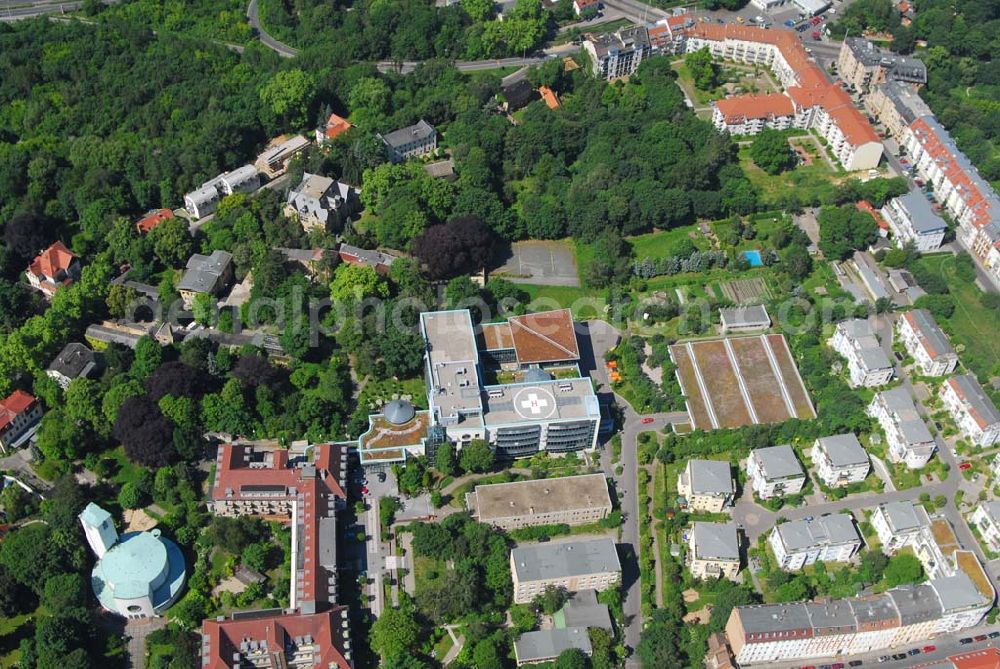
[52, 269]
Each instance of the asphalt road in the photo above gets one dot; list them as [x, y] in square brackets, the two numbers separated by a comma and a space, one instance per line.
[14, 10]
[407, 66]
[279, 47]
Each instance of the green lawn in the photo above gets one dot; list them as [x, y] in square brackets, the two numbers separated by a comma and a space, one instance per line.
[581, 300]
[972, 327]
[665, 243]
[811, 182]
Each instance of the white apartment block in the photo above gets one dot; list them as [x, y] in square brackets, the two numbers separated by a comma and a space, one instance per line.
[573, 566]
[909, 440]
[986, 519]
[749, 114]
[867, 364]
[775, 472]
[912, 221]
[707, 485]
[925, 341]
[800, 543]
[840, 460]
[897, 524]
[714, 551]
[974, 412]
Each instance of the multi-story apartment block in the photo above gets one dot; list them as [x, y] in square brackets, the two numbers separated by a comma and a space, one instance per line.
[19, 412]
[413, 141]
[799, 543]
[321, 202]
[897, 524]
[816, 103]
[867, 363]
[912, 221]
[986, 519]
[706, 485]
[840, 460]
[907, 614]
[906, 433]
[573, 566]
[668, 35]
[896, 105]
[205, 199]
[714, 550]
[863, 65]
[270, 639]
[957, 185]
[749, 114]
[775, 471]
[974, 412]
[925, 341]
[617, 54]
[52, 269]
[570, 500]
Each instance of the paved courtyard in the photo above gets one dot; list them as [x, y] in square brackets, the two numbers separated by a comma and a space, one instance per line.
[548, 263]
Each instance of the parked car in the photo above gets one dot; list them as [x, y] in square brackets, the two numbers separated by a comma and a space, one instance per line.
[884, 658]
[802, 28]
[364, 490]
[855, 663]
[381, 477]
[817, 20]
[993, 635]
[966, 641]
[981, 637]
[790, 23]
[929, 649]
[815, 35]
[837, 665]
[647, 420]
[899, 656]
[913, 651]
[965, 466]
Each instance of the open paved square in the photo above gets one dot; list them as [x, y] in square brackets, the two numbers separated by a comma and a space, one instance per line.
[547, 263]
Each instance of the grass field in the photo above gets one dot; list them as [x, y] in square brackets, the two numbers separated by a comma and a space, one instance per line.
[667, 242]
[810, 182]
[972, 327]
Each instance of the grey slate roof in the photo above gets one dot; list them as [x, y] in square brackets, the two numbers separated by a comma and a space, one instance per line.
[934, 339]
[957, 592]
[921, 214]
[981, 406]
[765, 618]
[831, 614]
[420, 130]
[73, 361]
[916, 603]
[548, 644]
[778, 461]
[748, 316]
[716, 541]
[913, 428]
[871, 610]
[907, 102]
[711, 477]
[898, 68]
[904, 516]
[800, 535]
[844, 450]
[203, 271]
[583, 610]
[559, 560]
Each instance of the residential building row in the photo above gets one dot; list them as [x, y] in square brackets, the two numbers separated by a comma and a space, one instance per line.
[809, 100]
[912, 221]
[867, 364]
[570, 500]
[957, 595]
[975, 414]
[570, 565]
[864, 66]
[956, 183]
[205, 199]
[304, 483]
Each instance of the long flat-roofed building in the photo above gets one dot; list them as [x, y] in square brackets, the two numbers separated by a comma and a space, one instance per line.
[547, 645]
[706, 485]
[906, 432]
[912, 221]
[571, 565]
[775, 471]
[744, 319]
[974, 412]
[799, 543]
[840, 460]
[867, 364]
[925, 341]
[570, 500]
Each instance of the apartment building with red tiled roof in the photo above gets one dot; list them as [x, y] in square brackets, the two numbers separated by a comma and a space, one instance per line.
[19, 411]
[277, 640]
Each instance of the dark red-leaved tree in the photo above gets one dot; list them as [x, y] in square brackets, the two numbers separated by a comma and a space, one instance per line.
[145, 432]
[461, 246]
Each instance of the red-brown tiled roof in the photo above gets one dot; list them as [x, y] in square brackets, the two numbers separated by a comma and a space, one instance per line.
[812, 90]
[548, 336]
[282, 633]
[153, 219]
[866, 206]
[497, 336]
[550, 97]
[233, 470]
[987, 658]
[768, 106]
[336, 125]
[53, 260]
[13, 405]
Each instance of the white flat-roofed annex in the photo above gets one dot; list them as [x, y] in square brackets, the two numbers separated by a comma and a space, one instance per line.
[560, 399]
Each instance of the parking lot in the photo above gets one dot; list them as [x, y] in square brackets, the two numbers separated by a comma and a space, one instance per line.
[548, 263]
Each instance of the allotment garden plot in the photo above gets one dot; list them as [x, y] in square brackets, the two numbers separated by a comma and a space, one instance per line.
[739, 381]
